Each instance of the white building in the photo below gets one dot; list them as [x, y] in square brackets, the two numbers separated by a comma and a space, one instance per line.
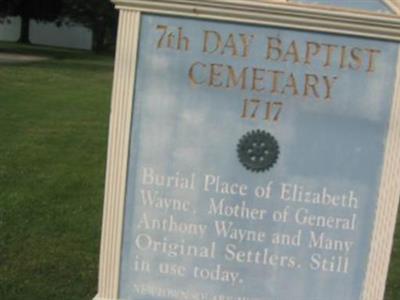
[68, 36]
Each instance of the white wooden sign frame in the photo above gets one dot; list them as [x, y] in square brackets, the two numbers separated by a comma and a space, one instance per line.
[276, 13]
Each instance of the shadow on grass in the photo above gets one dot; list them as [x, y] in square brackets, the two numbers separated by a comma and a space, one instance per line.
[68, 59]
[53, 52]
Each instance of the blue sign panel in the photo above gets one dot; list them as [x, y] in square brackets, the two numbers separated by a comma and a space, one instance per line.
[255, 162]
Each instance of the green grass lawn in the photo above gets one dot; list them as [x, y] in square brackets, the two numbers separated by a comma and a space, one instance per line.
[53, 129]
[53, 125]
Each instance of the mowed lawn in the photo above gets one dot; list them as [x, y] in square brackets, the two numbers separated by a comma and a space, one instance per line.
[53, 129]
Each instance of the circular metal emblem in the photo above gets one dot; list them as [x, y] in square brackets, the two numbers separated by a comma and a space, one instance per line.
[258, 151]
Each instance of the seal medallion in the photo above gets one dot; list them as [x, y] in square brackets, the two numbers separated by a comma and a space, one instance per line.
[258, 151]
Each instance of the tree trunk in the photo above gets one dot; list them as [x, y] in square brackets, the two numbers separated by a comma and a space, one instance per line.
[25, 25]
[99, 35]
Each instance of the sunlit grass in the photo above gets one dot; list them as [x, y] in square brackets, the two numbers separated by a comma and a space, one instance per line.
[53, 129]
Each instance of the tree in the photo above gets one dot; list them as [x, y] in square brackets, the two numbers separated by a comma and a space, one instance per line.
[98, 15]
[39, 10]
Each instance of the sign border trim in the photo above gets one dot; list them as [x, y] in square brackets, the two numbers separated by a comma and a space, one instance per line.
[118, 155]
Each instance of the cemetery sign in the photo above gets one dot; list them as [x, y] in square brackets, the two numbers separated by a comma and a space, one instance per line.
[253, 151]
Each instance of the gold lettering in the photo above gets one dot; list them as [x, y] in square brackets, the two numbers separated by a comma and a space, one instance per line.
[261, 80]
[355, 54]
[292, 52]
[231, 45]
[312, 49]
[183, 40]
[311, 82]
[208, 35]
[258, 79]
[291, 84]
[164, 29]
[192, 76]
[275, 80]
[371, 59]
[274, 45]
[234, 80]
[215, 74]
[329, 51]
[329, 86]
[246, 41]
[343, 57]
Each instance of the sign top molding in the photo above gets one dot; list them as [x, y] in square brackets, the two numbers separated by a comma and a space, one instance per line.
[378, 6]
[279, 13]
